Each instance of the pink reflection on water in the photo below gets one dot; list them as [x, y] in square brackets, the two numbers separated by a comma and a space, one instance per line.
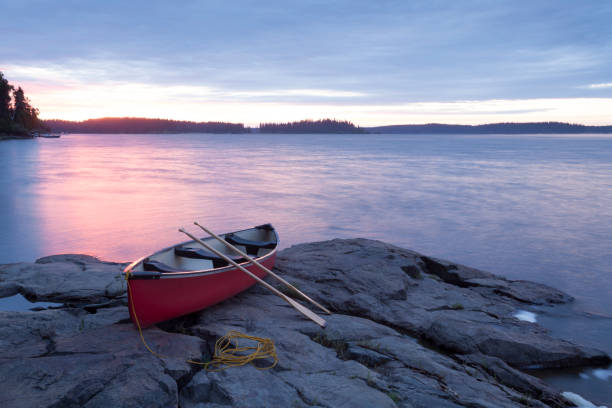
[526, 207]
[122, 200]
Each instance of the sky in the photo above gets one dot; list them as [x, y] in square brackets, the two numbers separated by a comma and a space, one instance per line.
[371, 62]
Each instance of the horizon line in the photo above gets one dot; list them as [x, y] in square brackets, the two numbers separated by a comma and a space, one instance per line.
[334, 119]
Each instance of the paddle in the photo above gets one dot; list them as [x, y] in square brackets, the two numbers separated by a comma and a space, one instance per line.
[303, 310]
[233, 248]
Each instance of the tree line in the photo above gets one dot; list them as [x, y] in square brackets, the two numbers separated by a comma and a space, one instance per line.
[311, 126]
[142, 125]
[493, 128]
[145, 125]
[17, 115]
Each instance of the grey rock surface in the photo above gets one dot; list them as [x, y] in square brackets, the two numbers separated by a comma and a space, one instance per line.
[450, 306]
[101, 367]
[64, 278]
[407, 331]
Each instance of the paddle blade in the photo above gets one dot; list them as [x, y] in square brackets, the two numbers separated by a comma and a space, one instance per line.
[306, 312]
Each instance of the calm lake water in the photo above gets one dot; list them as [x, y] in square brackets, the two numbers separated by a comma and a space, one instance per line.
[528, 207]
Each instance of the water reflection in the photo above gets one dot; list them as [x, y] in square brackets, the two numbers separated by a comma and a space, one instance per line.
[538, 208]
[18, 303]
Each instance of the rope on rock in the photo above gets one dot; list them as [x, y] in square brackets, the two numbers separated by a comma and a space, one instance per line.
[228, 353]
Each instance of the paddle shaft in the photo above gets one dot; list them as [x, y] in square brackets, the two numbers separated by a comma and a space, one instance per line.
[309, 314]
[239, 252]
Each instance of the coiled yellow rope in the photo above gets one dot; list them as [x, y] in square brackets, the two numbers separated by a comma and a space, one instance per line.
[228, 353]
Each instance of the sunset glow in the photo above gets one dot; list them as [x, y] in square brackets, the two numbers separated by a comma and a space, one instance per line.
[437, 174]
[69, 99]
[373, 65]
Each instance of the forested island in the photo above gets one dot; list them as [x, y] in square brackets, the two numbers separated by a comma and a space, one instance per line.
[18, 118]
[142, 125]
[311, 126]
[146, 125]
[492, 128]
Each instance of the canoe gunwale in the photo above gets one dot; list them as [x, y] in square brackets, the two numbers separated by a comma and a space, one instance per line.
[189, 274]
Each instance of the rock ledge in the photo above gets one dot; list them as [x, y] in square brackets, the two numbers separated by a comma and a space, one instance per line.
[407, 331]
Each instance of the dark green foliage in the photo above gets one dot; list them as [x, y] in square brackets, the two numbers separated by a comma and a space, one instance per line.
[492, 128]
[17, 116]
[5, 99]
[20, 107]
[339, 345]
[143, 125]
[395, 397]
[311, 126]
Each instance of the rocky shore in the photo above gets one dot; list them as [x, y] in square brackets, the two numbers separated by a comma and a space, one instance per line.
[408, 330]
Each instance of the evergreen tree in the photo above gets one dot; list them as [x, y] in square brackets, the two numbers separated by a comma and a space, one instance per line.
[5, 103]
[24, 114]
[17, 115]
[20, 107]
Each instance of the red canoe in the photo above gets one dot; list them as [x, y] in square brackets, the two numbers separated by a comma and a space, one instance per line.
[186, 277]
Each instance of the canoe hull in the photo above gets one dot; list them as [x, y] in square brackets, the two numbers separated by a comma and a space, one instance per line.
[156, 300]
[159, 290]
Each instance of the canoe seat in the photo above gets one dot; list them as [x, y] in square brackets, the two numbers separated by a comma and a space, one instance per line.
[150, 265]
[251, 246]
[200, 253]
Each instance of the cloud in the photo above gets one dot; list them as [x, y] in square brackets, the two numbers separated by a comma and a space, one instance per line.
[211, 104]
[315, 54]
[319, 93]
[600, 86]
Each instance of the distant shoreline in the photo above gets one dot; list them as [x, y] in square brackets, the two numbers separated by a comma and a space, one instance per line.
[365, 132]
[493, 129]
[15, 137]
[327, 126]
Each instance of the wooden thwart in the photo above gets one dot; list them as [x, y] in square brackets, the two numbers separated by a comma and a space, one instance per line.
[239, 252]
[303, 310]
